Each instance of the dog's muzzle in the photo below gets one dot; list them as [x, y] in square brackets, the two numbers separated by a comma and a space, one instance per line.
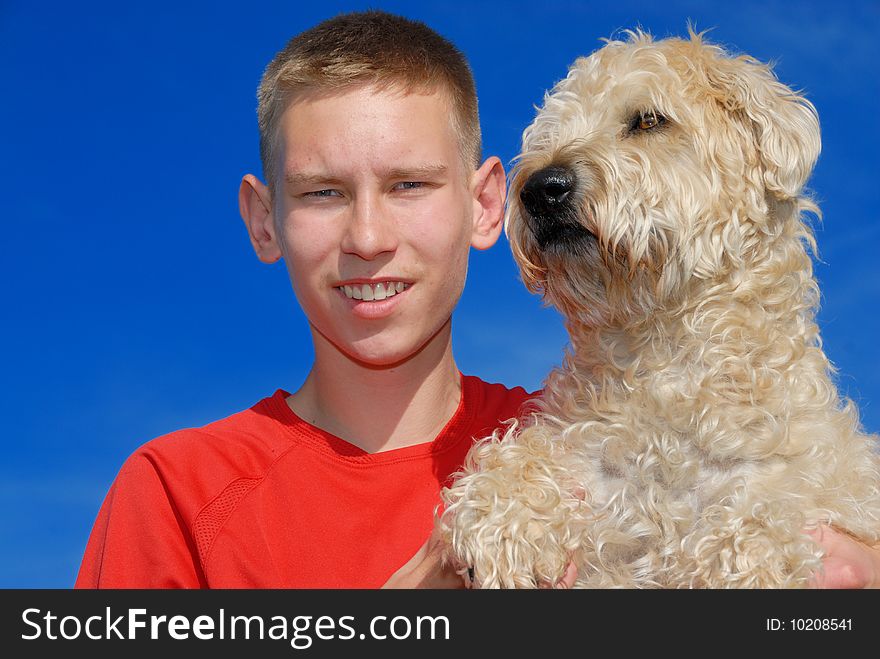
[548, 199]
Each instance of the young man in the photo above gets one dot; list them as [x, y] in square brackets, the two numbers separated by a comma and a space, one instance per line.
[374, 194]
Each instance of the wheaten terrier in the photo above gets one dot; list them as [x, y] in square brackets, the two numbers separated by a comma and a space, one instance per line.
[694, 430]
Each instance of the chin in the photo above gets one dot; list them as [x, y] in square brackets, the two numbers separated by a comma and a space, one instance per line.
[391, 351]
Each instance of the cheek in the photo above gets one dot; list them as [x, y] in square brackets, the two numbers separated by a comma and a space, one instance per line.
[306, 254]
[302, 254]
[306, 240]
[445, 244]
[456, 275]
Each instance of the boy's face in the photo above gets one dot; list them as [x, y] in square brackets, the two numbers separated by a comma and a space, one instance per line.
[374, 201]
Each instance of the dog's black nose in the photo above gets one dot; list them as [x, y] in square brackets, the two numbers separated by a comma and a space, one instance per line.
[547, 191]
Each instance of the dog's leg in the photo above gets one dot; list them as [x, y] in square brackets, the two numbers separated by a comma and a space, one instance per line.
[512, 520]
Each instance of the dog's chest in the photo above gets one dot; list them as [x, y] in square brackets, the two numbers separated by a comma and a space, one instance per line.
[661, 448]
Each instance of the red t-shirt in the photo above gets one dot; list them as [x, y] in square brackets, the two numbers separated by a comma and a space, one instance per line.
[263, 499]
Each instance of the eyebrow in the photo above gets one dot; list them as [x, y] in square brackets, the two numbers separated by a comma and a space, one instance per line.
[412, 173]
[421, 171]
[303, 178]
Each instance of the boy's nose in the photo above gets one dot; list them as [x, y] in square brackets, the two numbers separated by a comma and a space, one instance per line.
[371, 230]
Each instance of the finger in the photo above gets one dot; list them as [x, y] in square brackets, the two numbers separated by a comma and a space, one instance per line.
[467, 577]
[569, 578]
[565, 582]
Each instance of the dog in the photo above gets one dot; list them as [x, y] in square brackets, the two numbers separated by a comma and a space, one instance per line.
[693, 431]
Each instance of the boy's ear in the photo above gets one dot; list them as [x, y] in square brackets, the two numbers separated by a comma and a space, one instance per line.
[489, 190]
[255, 206]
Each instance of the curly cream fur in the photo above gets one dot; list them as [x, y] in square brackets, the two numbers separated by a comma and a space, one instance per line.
[693, 430]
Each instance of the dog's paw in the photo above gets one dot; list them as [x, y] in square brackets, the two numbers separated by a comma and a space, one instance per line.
[515, 539]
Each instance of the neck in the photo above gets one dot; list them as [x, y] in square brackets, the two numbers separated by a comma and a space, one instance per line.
[385, 407]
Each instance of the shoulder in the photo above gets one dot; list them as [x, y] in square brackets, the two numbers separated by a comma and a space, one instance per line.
[498, 400]
[258, 430]
[197, 463]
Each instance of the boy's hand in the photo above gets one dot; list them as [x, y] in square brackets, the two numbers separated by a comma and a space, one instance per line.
[567, 580]
[848, 563]
[426, 569]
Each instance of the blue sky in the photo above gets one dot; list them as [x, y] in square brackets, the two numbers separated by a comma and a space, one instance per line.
[132, 302]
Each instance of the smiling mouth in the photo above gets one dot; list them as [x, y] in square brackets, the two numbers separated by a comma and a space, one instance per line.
[372, 292]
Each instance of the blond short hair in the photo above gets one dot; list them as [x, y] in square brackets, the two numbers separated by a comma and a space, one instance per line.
[372, 47]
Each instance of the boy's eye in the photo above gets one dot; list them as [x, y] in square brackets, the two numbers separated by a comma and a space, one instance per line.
[408, 185]
[322, 193]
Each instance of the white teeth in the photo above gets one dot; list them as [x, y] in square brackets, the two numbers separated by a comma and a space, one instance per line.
[371, 292]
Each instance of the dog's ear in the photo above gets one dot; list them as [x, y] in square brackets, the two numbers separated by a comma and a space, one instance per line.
[785, 125]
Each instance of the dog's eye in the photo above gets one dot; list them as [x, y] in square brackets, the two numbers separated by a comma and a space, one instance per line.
[647, 121]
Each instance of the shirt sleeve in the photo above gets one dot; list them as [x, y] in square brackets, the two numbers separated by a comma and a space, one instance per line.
[140, 538]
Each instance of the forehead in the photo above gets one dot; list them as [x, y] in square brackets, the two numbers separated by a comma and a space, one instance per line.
[391, 88]
[392, 101]
[622, 71]
[603, 89]
[365, 126]
[341, 109]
